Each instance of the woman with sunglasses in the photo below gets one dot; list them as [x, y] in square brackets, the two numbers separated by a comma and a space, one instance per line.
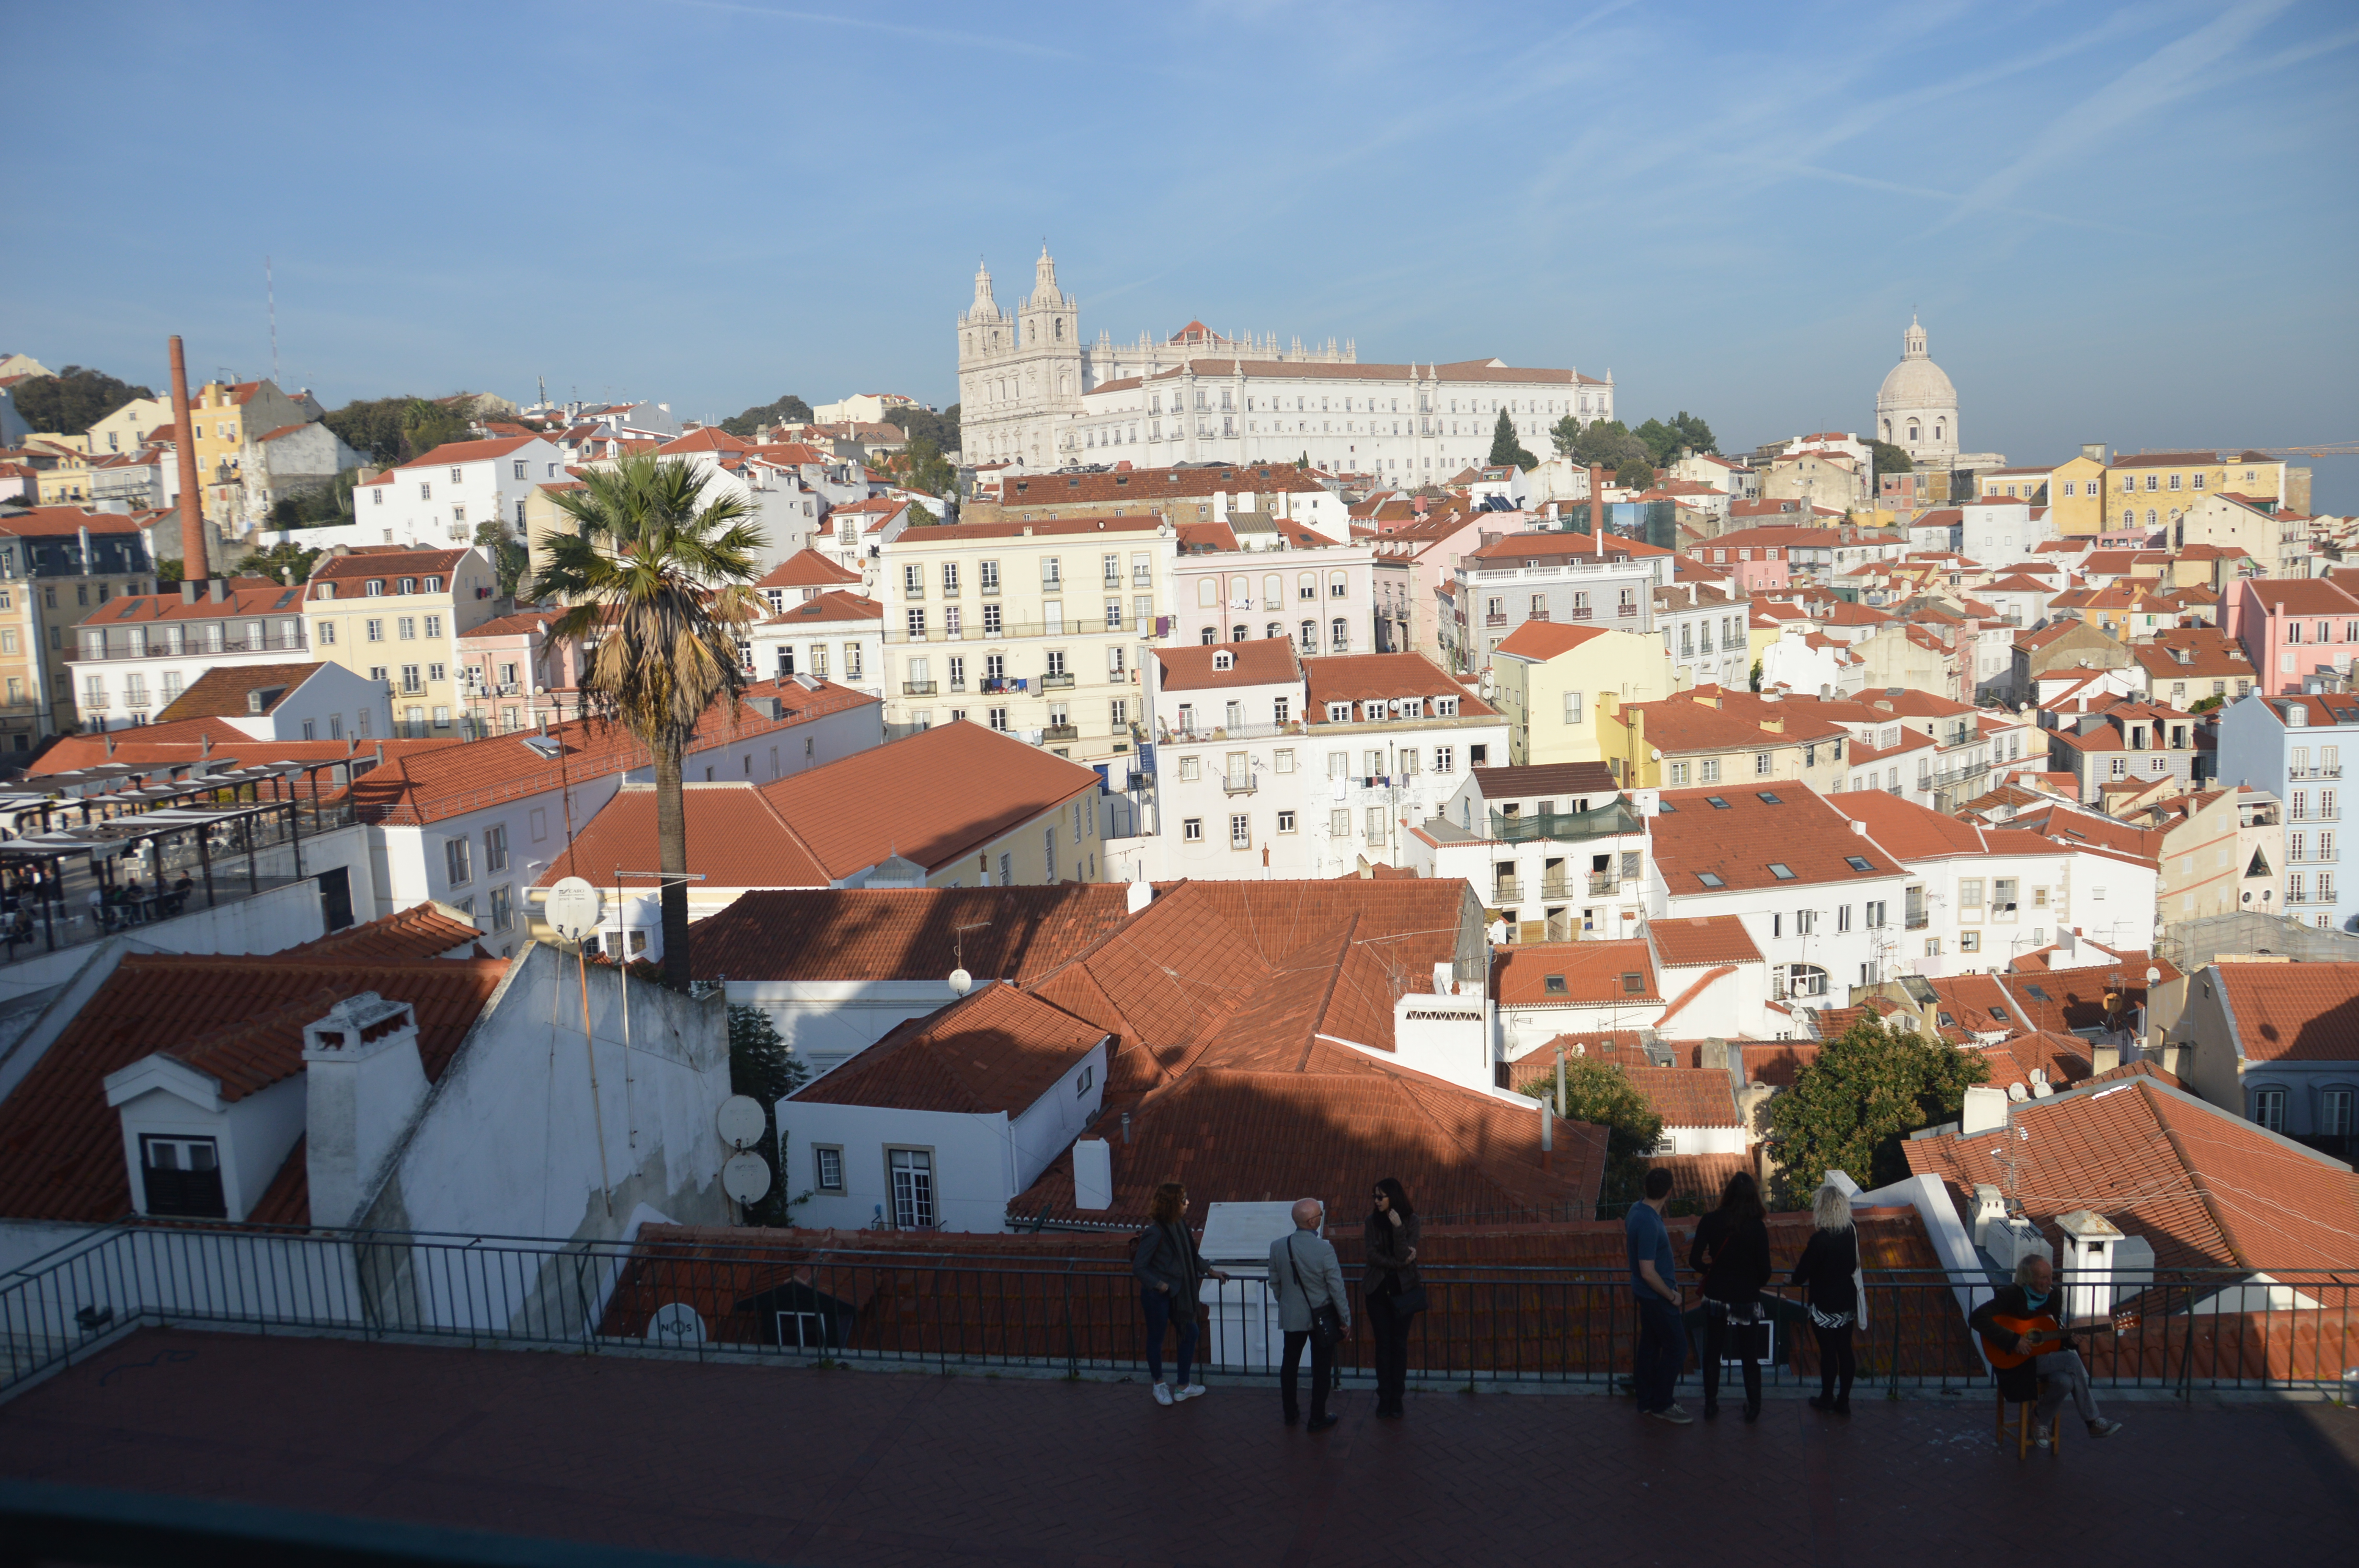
[1388, 1247]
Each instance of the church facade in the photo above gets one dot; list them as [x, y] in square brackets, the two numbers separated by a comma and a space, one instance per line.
[1033, 394]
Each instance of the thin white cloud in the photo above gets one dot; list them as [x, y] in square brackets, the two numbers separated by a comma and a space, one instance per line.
[946, 36]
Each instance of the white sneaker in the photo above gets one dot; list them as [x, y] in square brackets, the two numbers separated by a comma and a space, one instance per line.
[1191, 1391]
[1162, 1393]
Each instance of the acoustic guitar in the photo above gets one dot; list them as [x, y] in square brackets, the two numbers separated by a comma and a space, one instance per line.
[2039, 1334]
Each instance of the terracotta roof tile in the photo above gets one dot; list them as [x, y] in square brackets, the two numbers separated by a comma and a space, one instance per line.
[904, 934]
[1687, 1097]
[452, 452]
[1363, 677]
[1683, 941]
[1575, 974]
[223, 692]
[1547, 639]
[736, 838]
[1263, 661]
[996, 1050]
[1529, 781]
[1739, 843]
[423, 931]
[60, 1144]
[2294, 1013]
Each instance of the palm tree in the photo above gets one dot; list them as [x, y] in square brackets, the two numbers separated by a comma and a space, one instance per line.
[656, 584]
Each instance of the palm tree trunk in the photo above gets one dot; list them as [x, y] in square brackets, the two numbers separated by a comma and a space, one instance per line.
[671, 846]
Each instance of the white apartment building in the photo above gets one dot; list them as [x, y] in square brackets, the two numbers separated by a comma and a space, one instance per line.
[1032, 394]
[1032, 629]
[1704, 630]
[1553, 851]
[132, 658]
[1267, 765]
[441, 499]
[1322, 597]
[834, 635]
[1996, 531]
[1544, 575]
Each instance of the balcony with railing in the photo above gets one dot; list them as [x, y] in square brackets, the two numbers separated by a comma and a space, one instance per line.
[1563, 827]
[1238, 784]
[2335, 771]
[1060, 734]
[194, 647]
[916, 689]
[1058, 681]
[1193, 734]
[1508, 890]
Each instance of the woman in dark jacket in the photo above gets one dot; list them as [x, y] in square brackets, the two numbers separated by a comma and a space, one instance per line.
[1828, 1275]
[1396, 1295]
[1170, 1272]
[1732, 1253]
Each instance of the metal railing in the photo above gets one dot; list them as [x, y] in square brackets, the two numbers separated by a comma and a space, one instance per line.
[195, 647]
[896, 1302]
[1564, 824]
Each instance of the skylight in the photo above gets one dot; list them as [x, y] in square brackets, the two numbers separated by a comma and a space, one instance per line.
[1632, 984]
[1856, 864]
[1709, 879]
[1781, 870]
[1717, 803]
[2036, 994]
[1765, 798]
[1999, 1014]
[1553, 985]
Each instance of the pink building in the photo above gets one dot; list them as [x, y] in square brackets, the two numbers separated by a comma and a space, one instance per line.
[2291, 627]
[512, 675]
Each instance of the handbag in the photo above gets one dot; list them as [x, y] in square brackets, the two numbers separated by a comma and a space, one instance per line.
[1326, 1318]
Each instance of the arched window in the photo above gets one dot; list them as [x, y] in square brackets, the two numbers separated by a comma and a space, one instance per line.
[1340, 635]
[1273, 631]
[1225, 660]
[1938, 425]
[1912, 429]
[1887, 429]
[1212, 635]
[1311, 636]
[1208, 594]
[1060, 328]
[2150, 518]
[1805, 980]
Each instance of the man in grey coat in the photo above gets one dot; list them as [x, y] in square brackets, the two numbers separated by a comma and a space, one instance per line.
[1305, 1275]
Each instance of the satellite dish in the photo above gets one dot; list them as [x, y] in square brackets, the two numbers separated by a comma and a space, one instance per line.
[961, 982]
[573, 909]
[675, 1324]
[745, 1178]
[2153, 975]
[741, 1122]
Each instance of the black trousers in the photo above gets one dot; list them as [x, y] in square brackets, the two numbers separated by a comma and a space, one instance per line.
[1322, 1372]
[1716, 1338]
[1390, 1326]
[1834, 1359]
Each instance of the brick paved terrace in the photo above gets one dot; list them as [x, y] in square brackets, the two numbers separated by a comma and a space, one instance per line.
[794, 1465]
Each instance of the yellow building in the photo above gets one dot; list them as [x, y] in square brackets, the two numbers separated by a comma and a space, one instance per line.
[67, 480]
[2154, 490]
[1551, 681]
[396, 615]
[130, 427]
[224, 415]
[1712, 737]
[2073, 491]
[57, 565]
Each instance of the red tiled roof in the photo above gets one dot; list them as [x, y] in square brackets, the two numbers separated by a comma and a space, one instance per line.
[60, 1144]
[930, 797]
[736, 838]
[523, 624]
[1048, 528]
[453, 452]
[995, 1050]
[422, 931]
[1804, 832]
[1777, 1063]
[389, 564]
[1550, 545]
[2294, 1013]
[1547, 639]
[1575, 974]
[1362, 677]
[1155, 484]
[831, 605]
[1687, 1097]
[223, 693]
[1703, 939]
[1530, 779]
[1264, 660]
[1700, 1178]
[904, 934]
[2205, 1187]
[709, 439]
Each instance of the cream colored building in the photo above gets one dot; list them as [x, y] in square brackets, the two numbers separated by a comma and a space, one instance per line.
[395, 616]
[1550, 681]
[1036, 630]
[131, 426]
[2154, 490]
[2279, 545]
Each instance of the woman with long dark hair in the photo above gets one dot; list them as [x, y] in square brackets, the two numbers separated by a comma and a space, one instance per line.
[1170, 1272]
[1829, 1274]
[1396, 1295]
[1732, 1253]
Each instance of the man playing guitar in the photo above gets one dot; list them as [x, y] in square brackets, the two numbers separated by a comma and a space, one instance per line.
[2019, 1325]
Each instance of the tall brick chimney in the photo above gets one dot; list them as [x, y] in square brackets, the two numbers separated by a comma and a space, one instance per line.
[194, 565]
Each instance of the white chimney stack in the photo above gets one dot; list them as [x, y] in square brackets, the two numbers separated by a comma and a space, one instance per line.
[1092, 1175]
[363, 1083]
[1444, 981]
[1990, 1208]
[1984, 1110]
[1137, 896]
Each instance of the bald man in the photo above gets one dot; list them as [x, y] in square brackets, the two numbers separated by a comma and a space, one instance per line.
[1305, 1275]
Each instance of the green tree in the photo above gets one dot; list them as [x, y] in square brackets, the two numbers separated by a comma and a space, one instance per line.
[763, 1069]
[925, 425]
[1661, 441]
[396, 429]
[1507, 449]
[1851, 1109]
[1600, 1093]
[1601, 441]
[789, 409]
[426, 426]
[1635, 476]
[1693, 432]
[509, 557]
[71, 402]
[1756, 674]
[1890, 459]
[325, 507]
[169, 571]
[660, 578]
[275, 561]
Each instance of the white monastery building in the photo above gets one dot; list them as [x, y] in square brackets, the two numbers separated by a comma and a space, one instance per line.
[1031, 394]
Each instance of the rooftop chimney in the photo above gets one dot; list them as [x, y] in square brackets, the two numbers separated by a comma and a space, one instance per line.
[362, 1083]
[1093, 1173]
[194, 567]
[1597, 508]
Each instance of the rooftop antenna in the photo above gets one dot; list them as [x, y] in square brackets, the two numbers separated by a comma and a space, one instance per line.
[270, 296]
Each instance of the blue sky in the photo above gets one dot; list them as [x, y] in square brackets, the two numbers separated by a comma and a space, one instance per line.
[2132, 224]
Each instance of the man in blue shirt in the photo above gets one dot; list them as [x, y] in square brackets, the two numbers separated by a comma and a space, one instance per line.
[1655, 1277]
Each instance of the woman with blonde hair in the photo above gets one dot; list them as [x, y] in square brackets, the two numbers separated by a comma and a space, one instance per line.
[1170, 1272]
[1829, 1271]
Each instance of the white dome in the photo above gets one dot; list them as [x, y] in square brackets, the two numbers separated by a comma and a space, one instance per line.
[1916, 383]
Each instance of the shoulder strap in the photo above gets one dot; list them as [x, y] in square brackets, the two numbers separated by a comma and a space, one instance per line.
[1296, 1269]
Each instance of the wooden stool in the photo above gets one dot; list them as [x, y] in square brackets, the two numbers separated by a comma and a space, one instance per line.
[2023, 1425]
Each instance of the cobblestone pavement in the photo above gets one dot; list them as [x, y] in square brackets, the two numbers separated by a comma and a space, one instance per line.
[871, 1468]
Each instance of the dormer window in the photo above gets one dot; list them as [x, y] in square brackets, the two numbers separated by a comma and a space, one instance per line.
[434, 585]
[1339, 713]
[327, 590]
[1225, 660]
[376, 587]
[409, 585]
[182, 1177]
